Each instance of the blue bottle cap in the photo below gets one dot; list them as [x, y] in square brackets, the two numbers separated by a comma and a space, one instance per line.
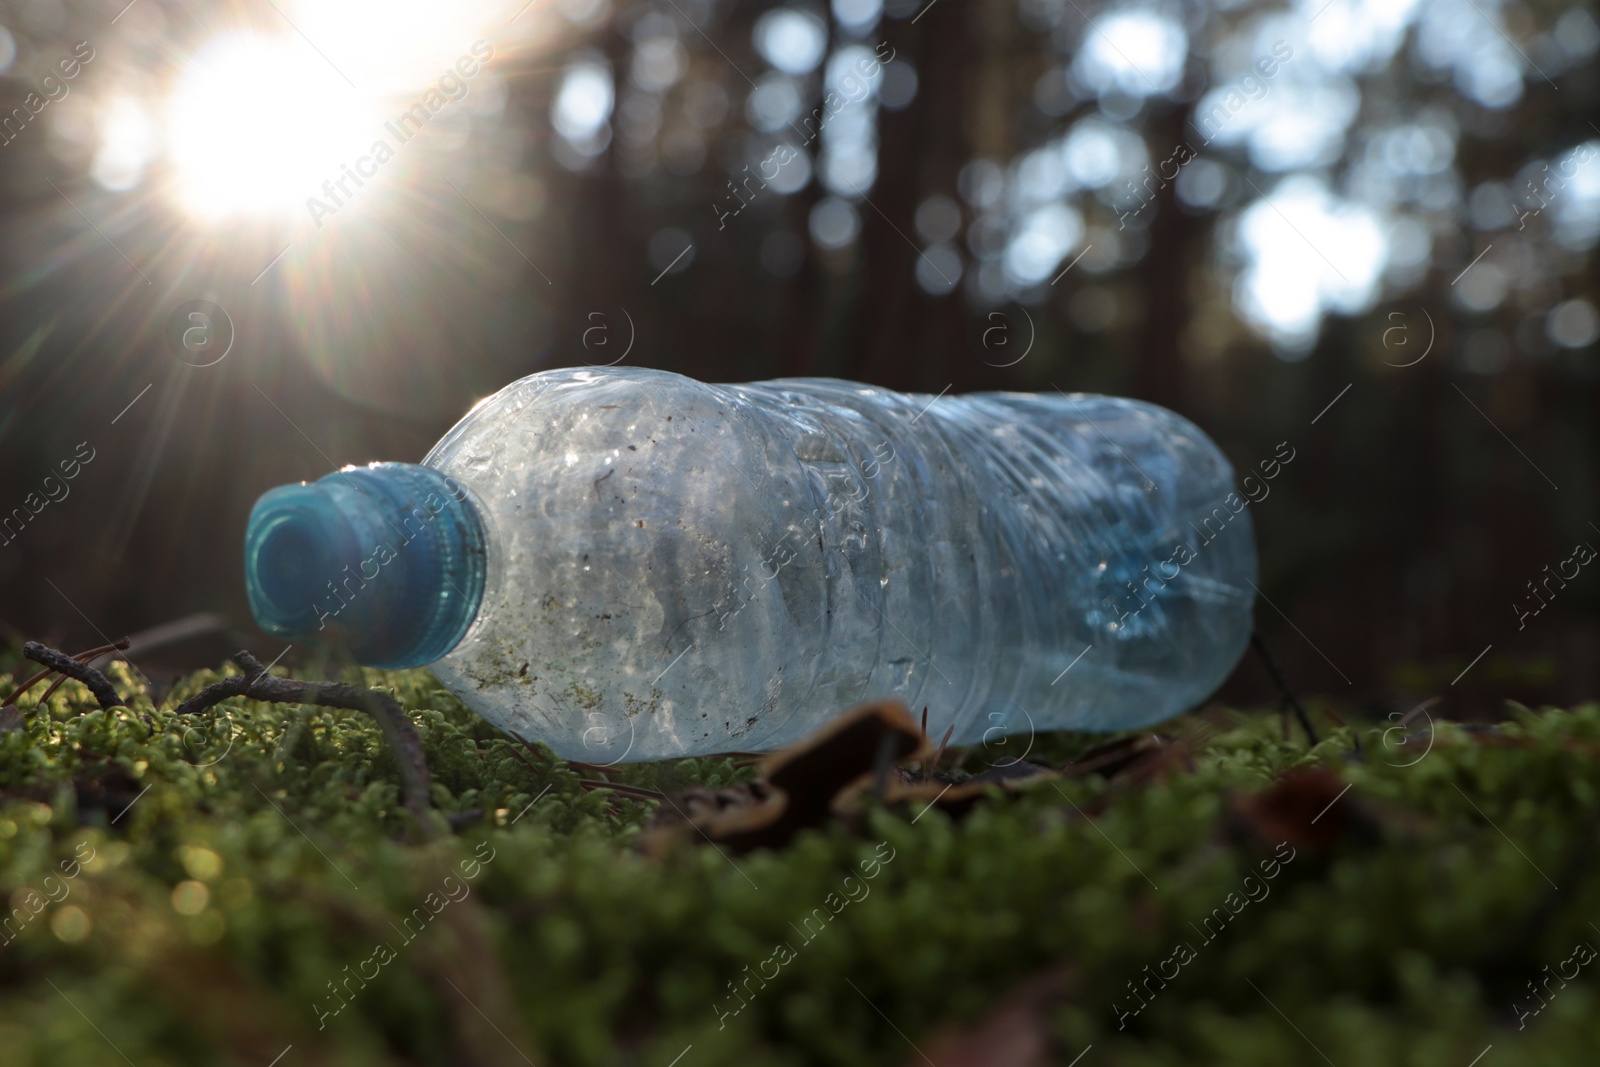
[388, 559]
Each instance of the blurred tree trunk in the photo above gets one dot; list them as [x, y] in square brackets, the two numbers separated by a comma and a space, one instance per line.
[904, 339]
[1175, 238]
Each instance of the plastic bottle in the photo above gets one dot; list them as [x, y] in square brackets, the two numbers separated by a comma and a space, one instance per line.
[628, 564]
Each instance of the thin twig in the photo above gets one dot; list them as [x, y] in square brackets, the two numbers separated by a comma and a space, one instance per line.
[623, 787]
[1283, 686]
[1080, 766]
[937, 759]
[526, 762]
[48, 693]
[592, 768]
[534, 752]
[1339, 721]
[82, 657]
[924, 739]
[397, 729]
[96, 653]
[104, 693]
[27, 685]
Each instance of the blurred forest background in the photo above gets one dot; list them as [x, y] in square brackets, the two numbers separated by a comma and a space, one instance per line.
[1362, 227]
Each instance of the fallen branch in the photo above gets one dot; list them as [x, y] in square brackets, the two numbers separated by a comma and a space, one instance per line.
[398, 730]
[72, 667]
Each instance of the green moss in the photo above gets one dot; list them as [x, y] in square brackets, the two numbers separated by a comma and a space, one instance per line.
[268, 853]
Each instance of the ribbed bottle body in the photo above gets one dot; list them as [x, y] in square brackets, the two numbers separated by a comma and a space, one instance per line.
[679, 568]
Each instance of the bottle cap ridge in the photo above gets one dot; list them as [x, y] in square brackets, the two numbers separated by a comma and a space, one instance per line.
[388, 559]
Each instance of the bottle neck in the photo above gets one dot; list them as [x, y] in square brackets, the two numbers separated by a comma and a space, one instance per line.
[388, 560]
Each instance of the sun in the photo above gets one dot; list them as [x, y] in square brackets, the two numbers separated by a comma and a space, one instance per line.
[257, 123]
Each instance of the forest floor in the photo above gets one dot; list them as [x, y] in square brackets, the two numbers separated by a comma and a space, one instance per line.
[243, 886]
